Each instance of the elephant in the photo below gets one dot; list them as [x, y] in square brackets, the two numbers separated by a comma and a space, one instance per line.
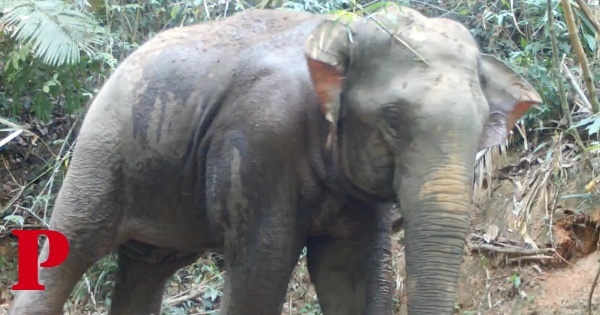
[271, 131]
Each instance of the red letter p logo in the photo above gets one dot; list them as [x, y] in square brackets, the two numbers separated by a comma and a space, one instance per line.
[28, 256]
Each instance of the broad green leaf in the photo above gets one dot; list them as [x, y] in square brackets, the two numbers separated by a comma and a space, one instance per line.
[594, 128]
[15, 218]
[174, 11]
[590, 40]
[593, 147]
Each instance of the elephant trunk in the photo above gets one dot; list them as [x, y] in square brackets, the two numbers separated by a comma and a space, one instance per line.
[380, 290]
[435, 198]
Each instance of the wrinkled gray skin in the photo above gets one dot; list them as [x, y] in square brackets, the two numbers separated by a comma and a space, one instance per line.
[269, 131]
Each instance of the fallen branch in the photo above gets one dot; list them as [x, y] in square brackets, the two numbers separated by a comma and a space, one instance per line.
[189, 294]
[498, 240]
[534, 257]
[196, 292]
[507, 250]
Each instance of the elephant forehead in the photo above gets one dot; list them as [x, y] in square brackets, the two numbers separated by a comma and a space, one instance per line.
[434, 43]
[403, 21]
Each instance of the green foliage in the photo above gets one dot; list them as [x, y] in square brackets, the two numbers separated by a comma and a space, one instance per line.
[54, 30]
[41, 48]
[591, 124]
[515, 280]
[518, 33]
[131, 24]
[33, 86]
[318, 6]
[43, 66]
[310, 309]
[55, 54]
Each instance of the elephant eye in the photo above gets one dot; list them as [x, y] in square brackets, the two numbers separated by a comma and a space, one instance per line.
[393, 116]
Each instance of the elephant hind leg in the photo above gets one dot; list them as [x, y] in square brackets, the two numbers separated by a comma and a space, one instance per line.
[59, 282]
[142, 274]
[86, 214]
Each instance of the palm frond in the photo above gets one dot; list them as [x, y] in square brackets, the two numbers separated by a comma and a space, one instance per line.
[57, 31]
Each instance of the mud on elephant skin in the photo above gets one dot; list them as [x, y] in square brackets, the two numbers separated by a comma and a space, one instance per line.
[268, 131]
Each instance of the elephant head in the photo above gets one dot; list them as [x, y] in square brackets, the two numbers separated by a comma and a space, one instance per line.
[410, 101]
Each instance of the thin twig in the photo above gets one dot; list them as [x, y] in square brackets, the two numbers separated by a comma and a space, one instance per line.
[583, 62]
[401, 41]
[512, 13]
[395, 36]
[89, 289]
[561, 89]
[190, 293]
[186, 297]
[575, 86]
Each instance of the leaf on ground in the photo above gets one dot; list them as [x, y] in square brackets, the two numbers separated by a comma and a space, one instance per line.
[491, 234]
[590, 186]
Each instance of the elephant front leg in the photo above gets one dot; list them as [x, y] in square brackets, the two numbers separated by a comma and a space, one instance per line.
[259, 261]
[256, 206]
[353, 276]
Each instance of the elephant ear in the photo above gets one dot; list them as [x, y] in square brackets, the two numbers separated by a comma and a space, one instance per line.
[327, 51]
[509, 96]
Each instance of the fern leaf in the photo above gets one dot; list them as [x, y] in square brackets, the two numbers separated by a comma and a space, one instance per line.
[57, 31]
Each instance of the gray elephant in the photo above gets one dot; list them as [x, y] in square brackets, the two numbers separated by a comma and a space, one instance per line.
[269, 131]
